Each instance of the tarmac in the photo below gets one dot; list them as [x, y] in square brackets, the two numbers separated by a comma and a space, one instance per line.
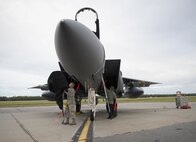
[138, 122]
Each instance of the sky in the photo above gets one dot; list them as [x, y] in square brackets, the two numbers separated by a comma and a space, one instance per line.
[155, 40]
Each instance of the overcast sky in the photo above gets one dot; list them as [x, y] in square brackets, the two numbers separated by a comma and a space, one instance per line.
[155, 40]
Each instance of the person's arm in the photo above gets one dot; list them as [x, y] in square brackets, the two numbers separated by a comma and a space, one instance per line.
[65, 92]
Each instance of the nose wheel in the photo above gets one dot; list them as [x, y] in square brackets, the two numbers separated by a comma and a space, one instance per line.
[92, 115]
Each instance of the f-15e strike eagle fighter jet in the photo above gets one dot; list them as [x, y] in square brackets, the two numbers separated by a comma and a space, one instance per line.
[82, 61]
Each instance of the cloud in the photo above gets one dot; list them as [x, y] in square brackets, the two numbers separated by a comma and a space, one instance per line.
[154, 39]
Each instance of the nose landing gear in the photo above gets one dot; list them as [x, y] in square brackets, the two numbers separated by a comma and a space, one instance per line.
[92, 101]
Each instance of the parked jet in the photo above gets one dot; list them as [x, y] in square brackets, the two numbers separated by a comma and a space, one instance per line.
[82, 60]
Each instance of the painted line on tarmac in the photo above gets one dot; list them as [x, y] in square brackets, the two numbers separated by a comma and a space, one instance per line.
[83, 136]
[85, 132]
[23, 128]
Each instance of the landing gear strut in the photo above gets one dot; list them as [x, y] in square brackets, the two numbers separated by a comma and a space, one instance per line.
[92, 101]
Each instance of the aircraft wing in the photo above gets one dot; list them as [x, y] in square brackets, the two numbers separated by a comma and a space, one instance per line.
[128, 82]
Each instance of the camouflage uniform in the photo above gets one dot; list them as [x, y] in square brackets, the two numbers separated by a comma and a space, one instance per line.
[70, 106]
[111, 101]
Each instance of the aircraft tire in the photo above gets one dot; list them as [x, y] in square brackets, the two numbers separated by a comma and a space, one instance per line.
[92, 115]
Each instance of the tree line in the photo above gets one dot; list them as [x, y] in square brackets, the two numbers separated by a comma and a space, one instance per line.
[31, 98]
[21, 98]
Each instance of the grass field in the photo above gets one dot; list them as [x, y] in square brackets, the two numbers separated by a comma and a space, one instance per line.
[4, 104]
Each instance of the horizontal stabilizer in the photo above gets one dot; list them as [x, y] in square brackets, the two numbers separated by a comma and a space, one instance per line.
[128, 82]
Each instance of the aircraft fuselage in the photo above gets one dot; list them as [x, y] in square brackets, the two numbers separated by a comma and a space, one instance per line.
[80, 52]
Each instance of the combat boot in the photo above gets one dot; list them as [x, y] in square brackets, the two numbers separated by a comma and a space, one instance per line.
[73, 122]
[67, 122]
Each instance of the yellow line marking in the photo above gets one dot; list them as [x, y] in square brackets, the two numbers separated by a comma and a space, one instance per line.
[83, 135]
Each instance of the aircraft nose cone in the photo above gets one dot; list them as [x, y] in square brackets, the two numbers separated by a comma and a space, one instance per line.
[65, 40]
[78, 48]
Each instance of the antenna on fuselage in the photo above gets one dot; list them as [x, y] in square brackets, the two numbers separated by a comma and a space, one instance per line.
[97, 33]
